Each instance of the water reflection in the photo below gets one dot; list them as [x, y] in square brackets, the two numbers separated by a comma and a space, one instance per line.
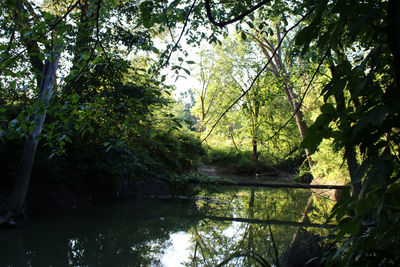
[130, 234]
[244, 227]
[247, 228]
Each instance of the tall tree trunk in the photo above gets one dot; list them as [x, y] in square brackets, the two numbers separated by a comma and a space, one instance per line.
[233, 139]
[301, 124]
[17, 197]
[352, 165]
[255, 153]
[279, 69]
[350, 152]
[255, 135]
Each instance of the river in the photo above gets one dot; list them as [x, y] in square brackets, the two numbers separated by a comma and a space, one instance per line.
[235, 227]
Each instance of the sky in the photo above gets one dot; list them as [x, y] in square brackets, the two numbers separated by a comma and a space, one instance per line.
[184, 81]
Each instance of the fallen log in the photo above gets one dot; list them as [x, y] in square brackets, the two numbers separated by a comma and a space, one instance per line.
[276, 185]
[274, 222]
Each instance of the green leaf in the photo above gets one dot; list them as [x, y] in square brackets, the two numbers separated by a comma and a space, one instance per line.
[146, 8]
[312, 141]
[74, 98]
[155, 50]
[377, 115]
[374, 117]
[244, 36]
[348, 226]
[360, 172]
[306, 35]
[328, 108]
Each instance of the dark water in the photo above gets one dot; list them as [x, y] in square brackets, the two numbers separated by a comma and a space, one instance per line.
[237, 227]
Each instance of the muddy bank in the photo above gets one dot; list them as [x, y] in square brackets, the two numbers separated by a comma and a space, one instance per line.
[231, 170]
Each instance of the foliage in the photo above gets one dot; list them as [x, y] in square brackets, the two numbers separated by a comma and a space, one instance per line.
[225, 72]
[109, 117]
[224, 238]
[329, 165]
[356, 44]
[364, 64]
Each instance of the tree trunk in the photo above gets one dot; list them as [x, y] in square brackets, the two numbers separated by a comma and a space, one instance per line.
[304, 220]
[18, 194]
[254, 113]
[255, 153]
[301, 124]
[279, 69]
[352, 165]
[266, 222]
[350, 152]
[233, 139]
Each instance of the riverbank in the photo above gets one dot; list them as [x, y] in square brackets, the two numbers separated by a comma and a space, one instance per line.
[266, 173]
[67, 194]
[63, 196]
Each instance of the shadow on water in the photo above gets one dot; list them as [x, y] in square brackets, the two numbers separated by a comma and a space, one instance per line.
[235, 227]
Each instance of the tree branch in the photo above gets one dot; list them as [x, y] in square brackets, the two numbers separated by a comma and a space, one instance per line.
[258, 74]
[301, 100]
[241, 16]
[180, 37]
[41, 36]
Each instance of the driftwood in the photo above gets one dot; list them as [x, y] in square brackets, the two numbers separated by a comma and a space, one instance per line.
[275, 222]
[276, 185]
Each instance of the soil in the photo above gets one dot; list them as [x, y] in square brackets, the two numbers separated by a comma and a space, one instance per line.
[265, 173]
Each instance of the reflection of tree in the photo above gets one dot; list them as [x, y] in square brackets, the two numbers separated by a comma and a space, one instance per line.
[233, 230]
[127, 235]
[239, 226]
[306, 243]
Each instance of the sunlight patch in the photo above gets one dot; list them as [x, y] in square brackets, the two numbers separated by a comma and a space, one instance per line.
[178, 251]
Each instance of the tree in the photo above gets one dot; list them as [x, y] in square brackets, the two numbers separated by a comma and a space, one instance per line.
[368, 32]
[20, 189]
[279, 64]
[259, 113]
[93, 69]
[367, 120]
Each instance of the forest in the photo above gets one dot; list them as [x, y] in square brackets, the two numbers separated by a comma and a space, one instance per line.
[110, 100]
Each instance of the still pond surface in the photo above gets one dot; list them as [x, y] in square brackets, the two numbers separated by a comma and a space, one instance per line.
[231, 227]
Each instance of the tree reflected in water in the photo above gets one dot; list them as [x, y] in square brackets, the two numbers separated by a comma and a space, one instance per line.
[129, 234]
[246, 227]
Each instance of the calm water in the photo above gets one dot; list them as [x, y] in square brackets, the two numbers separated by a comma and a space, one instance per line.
[231, 226]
